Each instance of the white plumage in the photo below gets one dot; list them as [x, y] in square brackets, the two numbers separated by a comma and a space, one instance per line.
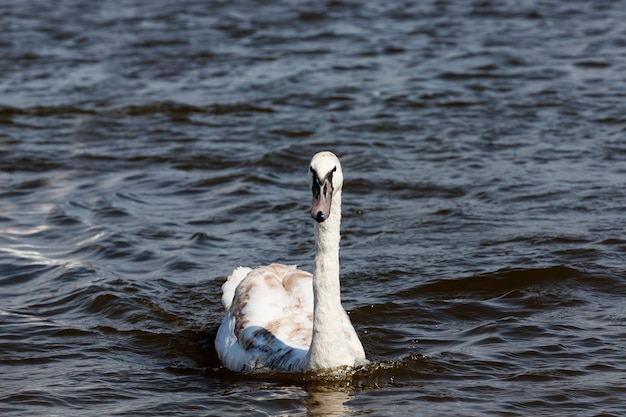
[283, 319]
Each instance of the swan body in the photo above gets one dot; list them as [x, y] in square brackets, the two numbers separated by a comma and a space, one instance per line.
[284, 319]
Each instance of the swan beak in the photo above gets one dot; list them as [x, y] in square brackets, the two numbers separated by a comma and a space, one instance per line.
[322, 197]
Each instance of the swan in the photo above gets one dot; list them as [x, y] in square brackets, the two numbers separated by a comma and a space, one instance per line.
[280, 318]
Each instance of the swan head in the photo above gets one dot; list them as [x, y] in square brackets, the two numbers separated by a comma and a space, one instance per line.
[326, 179]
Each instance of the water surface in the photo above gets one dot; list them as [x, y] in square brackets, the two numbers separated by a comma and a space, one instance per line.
[148, 149]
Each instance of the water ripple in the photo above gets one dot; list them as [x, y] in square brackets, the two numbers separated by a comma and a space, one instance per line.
[147, 150]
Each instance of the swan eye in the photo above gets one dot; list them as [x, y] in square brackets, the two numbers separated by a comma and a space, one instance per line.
[315, 186]
[315, 189]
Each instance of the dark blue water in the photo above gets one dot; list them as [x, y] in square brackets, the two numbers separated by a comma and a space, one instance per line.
[148, 148]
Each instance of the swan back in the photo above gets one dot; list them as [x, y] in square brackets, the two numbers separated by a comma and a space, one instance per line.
[231, 284]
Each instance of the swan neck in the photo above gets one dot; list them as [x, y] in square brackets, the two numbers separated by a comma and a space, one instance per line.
[327, 237]
[327, 309]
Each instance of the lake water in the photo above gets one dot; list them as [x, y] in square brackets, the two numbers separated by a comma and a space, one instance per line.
[148, 148]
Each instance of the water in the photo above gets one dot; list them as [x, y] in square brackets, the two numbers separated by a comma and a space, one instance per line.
[147, 149]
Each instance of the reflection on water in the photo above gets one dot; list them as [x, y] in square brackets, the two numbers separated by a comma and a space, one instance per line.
[327, 402]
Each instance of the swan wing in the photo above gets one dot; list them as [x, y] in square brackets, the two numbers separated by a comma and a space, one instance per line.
[231, 284]
[269, 318]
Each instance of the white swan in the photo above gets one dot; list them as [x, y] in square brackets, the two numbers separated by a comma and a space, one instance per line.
[284, 319]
